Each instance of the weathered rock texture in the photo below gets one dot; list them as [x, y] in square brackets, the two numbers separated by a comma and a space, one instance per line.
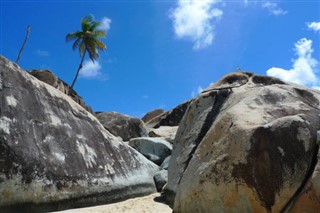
[170, 118]
[166, 132]
[249, 148]
[150, 115]
[121, 125]
[155, 149]
[51, 79]
[161, 178]
[56, 155]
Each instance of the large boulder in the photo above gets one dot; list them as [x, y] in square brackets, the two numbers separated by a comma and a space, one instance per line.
[160, 179]
[165, 163]
[247, 144]
[152, 114]
[122, 125]
[54, 154]
[155, 149]
[166, 132]
[48, 77]
[169, 118]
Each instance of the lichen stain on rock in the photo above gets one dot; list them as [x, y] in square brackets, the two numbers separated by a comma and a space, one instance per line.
[5, 124]
[11, 101]
[304, 136]
[7, 194]
[55, 120]
[88, 154]
[60, 157]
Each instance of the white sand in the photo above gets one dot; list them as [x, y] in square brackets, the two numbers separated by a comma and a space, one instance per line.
[136, 205]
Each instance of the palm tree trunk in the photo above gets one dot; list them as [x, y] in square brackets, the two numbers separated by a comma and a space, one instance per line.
[24, 43]
[80, 67]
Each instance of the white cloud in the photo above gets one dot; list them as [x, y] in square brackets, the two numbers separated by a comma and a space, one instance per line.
[105, 24]
[42, 53]
[274, 8]
[200, 89]
[314, 26]
[195, 93]
[90, 69]
[303, 68]
[194, 20]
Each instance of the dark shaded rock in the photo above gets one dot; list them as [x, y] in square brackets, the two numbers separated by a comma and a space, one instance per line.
[249, 148]
[122, 125]
[48, 77]
[150, 115]
[170, 118]
[161, 178]
[54, 154]
[155, 149]
[165, 163]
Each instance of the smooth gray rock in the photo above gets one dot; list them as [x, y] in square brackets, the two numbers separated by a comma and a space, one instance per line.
[121, 125]
[248, 143]
[161, 178]
[165, 163]
[54, 154]
[155, 149]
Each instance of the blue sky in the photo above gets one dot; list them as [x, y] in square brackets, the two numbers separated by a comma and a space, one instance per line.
[162, 53]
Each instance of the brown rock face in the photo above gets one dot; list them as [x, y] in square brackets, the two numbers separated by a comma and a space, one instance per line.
[121, 125]
[247, 144]
[170, 118]
[150, 115]
[55, 155]
[48, 77]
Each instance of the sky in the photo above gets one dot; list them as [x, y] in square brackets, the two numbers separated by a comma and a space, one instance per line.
[162, 53]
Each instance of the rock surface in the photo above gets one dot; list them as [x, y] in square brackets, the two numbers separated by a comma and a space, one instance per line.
[56, 155]
[161, 178]
[165, 163]
[170, 118]
[122, 125]
[150, 115]
[48, 77]
[308, 200]
[166, 132]
[249, 148]
[155, 149]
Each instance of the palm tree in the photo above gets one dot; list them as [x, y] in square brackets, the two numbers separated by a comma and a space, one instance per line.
[87, 41]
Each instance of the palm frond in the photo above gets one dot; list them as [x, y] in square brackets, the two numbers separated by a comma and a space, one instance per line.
[76, 44]
[74, 35]
[94, 25]
[93, 55]
[85, 25]
[99, 44]
[92, 49]
[82, 48]
[99, 34]
[89, 18]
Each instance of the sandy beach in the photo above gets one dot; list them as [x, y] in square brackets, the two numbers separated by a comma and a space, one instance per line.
[136, 205]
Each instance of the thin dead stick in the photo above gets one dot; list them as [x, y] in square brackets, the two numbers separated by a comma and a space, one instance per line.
[24, 43]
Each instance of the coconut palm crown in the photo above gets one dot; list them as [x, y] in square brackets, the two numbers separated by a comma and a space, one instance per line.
[87, 41]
